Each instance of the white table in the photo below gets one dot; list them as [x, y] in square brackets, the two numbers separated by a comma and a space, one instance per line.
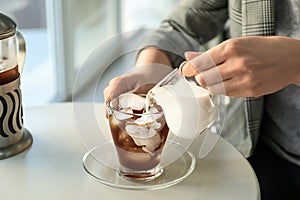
[52, 167]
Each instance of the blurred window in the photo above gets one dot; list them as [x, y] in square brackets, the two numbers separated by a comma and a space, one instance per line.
[61, 34]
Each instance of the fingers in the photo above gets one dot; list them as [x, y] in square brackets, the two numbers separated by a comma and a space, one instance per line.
[109, 91]
[200, 79]
[237, 87]
[138, 80]
[206, 72]
[191, 54]
[188, 69]
[216, 55]
[117, 86]
[231, 89]
[197, 62]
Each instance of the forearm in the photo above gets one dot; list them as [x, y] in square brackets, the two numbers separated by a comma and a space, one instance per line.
[151, 55]
[152, 64]
[186, 28]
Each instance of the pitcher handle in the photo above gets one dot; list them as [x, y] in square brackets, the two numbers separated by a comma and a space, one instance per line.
[21, 51]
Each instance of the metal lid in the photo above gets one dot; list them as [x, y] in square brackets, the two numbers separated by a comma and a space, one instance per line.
[7, 26]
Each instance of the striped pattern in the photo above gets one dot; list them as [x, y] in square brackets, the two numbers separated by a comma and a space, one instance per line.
[252, 17]
[11, 114]
[258, 17]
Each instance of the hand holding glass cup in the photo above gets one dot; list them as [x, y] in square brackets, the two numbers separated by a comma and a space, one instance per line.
[184, 111]
[173, 110]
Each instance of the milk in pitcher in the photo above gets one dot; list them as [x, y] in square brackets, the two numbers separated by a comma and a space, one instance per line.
[187, 107]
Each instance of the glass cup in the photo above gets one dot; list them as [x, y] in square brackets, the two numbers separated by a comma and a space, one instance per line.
[139, 139]
[190, 109]
[183, 110]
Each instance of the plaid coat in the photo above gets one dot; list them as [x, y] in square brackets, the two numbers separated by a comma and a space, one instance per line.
[203, 20]
[256, 18]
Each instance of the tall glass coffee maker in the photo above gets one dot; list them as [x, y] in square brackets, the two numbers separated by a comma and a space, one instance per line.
[14, 138]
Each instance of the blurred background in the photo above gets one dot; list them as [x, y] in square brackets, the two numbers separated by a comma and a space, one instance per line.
[61, 34]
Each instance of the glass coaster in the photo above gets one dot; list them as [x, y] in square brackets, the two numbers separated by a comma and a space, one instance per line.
[101, 163]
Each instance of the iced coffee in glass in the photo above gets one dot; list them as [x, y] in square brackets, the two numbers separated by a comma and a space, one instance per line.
[139, 132]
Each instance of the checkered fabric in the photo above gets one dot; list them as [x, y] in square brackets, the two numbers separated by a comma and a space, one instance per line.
[257, 19]
[204, 19]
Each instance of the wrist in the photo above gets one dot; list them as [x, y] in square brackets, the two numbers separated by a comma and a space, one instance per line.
[152, 64]
[152, 55]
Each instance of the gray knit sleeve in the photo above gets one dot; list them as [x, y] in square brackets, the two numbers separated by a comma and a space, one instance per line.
[190, 24]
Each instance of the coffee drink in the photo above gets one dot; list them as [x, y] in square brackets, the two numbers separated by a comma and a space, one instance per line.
[139, 135]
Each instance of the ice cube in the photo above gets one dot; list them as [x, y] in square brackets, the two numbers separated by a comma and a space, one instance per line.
[155, 113]
[153, 109]
[136, 131]
[134, 101]
[144, 120]
[125, 113]
[151, 133]
[148, 121]
[156, 125]
[145, 136]
[146, 150]
[152, 143]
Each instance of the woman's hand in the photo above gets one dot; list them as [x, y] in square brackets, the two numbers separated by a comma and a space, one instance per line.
[248, 66]
[139, 80]
[151, 66]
